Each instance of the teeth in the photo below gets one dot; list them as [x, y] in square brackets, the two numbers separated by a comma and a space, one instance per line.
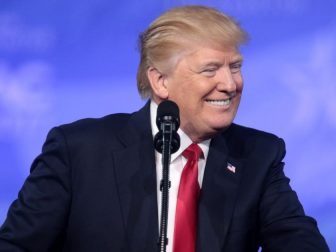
[220, 102]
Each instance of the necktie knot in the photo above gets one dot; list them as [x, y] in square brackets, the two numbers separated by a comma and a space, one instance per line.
[193, 152]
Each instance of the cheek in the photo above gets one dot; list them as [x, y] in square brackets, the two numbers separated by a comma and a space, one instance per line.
[238, 79]
[185, 91]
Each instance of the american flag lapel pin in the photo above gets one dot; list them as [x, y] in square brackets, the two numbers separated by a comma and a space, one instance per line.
[231, 168]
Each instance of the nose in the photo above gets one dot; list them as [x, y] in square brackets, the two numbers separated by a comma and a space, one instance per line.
[226, 81]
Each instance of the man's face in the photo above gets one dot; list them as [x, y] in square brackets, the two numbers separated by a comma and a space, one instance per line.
[207, 85]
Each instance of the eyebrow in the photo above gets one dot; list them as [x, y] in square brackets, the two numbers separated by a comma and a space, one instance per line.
[216, 63]
[237, 59]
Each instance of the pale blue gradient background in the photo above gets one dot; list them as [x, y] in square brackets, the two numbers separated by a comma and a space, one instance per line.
[64, 60]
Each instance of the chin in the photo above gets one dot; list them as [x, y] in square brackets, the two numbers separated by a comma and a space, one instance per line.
[222, 125]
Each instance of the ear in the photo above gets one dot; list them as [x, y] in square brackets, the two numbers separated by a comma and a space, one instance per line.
[157, 81]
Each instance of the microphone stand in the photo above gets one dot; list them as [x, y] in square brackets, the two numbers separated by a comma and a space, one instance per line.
[167, 134]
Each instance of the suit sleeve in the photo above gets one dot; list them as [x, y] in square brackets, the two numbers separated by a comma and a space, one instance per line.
[284, 225]
[37, 218]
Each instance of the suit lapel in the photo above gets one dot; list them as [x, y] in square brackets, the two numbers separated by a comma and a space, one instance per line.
[136, 182]
[218, 196]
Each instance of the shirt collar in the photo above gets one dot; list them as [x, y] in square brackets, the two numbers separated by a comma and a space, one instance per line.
[185, 140]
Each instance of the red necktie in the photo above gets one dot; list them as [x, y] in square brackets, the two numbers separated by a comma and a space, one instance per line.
[187, 203]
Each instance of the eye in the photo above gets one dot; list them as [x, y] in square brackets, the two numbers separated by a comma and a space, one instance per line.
[209, 71]
[235, 67]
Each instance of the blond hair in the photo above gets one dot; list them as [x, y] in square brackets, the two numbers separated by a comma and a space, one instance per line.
[172, 32]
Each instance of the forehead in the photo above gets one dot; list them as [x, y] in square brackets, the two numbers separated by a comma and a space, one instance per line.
[227, 53]
[208, 54]
[196, 52]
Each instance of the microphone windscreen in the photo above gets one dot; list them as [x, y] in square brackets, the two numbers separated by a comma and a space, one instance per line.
[166, 109]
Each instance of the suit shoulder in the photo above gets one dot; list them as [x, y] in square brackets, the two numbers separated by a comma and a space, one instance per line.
[243, 139]
[113, 120]
[247, 133]
[94, 130]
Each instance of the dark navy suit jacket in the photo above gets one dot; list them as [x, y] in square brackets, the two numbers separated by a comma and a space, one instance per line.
[93, 188]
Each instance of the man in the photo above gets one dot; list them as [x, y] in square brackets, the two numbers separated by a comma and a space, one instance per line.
[95, 185]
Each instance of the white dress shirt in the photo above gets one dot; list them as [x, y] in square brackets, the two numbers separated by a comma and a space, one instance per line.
[177, 163]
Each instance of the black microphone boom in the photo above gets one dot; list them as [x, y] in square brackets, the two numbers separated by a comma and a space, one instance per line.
[166, 141]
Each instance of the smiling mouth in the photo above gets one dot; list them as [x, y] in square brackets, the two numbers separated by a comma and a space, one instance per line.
[221, 102]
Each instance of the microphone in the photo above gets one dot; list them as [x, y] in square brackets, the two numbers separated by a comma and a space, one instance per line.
[168, 122]
[166, 141]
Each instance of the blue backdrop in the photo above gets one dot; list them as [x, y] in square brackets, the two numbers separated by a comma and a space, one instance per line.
[64, 60]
